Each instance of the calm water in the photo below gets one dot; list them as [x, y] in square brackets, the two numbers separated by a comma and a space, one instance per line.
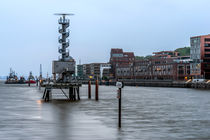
[148, 114]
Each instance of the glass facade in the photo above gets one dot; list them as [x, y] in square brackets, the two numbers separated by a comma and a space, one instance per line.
[195, 55]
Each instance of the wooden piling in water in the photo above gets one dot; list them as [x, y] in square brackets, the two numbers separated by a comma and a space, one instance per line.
[71, 93]
[29, 82]
[89, 89]
[119, 110]
[96, 90]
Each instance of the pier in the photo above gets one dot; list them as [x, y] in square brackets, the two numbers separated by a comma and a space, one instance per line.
[72, 95]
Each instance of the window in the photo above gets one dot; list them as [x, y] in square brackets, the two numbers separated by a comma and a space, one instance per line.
[207, 45]
[181, 70]
[207, 39]
[206, 60]
[207, 65]
[207, 55]
[206, 50]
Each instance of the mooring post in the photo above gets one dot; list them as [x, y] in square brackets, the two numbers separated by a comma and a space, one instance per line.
[71, 93]
[119, 117]
[89, 89]
[29, 82]
[120, 85]
[96, 90]
[37, 82]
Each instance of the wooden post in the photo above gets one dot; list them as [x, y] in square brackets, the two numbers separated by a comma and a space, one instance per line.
[96, 90]
[37, 82]
[119, 117]
[71, 93]
[29, 82]
[78, 97]
[89, 89]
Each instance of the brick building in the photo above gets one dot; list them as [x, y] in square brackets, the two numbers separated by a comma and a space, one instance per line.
[164, 65]
[118, 58]
[200, 55]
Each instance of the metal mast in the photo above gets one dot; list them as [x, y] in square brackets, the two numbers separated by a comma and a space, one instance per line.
[40, 72]
[64, 22]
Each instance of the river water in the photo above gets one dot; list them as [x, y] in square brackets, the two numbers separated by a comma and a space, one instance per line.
[148, 113]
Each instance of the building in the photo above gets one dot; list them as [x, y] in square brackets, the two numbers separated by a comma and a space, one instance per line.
[86, 71]
[143, 69]
[119, 58]
[166, 54]
[200, 55]
[96, 70]
[80, 73]
[164, 65]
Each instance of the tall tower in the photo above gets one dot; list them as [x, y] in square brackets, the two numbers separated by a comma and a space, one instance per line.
[64, 24]
[65, 66]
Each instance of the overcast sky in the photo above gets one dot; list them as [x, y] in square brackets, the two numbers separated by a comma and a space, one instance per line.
[29, 29]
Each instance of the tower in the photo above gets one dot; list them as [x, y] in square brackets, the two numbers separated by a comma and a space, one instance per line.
[65, 66]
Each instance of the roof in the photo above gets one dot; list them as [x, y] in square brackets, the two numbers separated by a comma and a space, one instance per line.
[201, 36]
[116, 50]
[130, 54]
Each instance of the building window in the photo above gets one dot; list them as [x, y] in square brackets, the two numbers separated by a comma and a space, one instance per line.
[207, 55]
[181, 70]
[207, 45]
[207, 50]
[207, 39]
[206, 60]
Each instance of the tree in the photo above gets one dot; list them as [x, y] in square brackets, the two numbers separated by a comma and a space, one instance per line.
[183, 51]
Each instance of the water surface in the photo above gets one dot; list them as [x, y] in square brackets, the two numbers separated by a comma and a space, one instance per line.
[147, 113]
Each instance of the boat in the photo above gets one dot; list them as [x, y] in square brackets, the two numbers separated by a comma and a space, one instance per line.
[13, 79]
[31, 79]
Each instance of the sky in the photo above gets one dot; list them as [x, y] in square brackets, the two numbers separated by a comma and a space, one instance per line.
[29, 29]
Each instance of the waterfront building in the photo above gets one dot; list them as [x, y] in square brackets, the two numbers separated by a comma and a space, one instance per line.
[80, 73]
[166, 54]
[164, 65]
[86, 71]
[200, 55]
[96, 70]
[143, 69]
[119, 58]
